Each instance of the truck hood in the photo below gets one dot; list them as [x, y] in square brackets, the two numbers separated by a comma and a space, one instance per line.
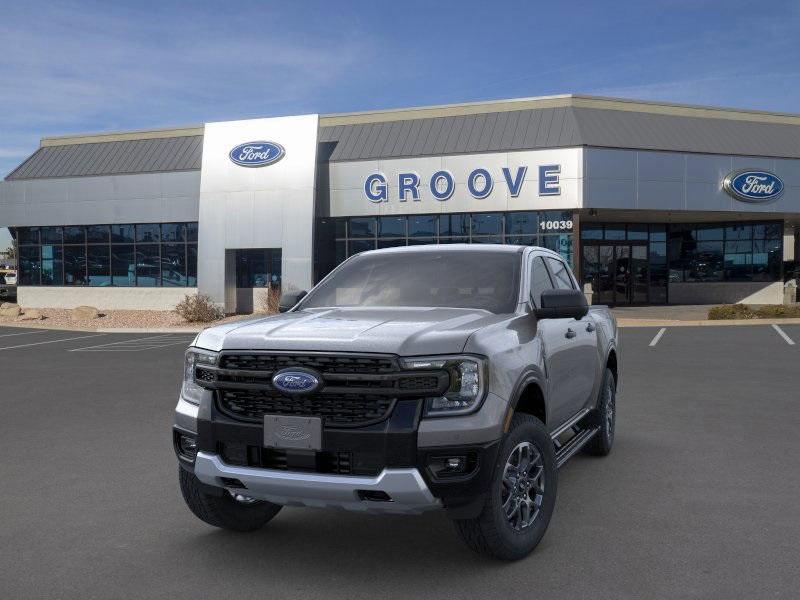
[402, 331]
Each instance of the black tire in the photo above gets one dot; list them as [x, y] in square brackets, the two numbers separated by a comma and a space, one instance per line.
[601, 443]
[492, 533]
[224, 511]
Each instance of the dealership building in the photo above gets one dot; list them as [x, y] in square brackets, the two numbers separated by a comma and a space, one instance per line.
[652, 203]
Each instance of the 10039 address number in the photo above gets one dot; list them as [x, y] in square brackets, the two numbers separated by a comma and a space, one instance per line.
[556, 225]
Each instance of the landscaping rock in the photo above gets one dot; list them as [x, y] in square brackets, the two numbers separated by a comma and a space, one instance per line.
[8, 304]
[11, 311]
[31, 315]
[84, 313]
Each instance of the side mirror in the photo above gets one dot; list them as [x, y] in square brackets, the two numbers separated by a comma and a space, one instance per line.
[562, 304]
[289, 299]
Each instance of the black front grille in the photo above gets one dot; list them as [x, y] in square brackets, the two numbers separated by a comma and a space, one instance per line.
[242, 455]
[342, 410]
[340, 364]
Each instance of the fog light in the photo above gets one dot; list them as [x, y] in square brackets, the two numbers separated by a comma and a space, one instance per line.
[454, 463]
[187, 446]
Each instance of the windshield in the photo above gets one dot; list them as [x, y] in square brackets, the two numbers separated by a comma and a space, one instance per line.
[436, 278]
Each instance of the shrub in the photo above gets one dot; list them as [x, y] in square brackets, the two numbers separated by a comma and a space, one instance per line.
[747, 311]
[731, 311]
[780, 311]
[269, 299]
[198, 308]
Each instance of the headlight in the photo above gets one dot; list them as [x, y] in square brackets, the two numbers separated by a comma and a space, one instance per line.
[467, 383]
[190, 391]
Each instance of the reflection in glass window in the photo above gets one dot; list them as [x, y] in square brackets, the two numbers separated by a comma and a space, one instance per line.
[362, 227]
[28, 235]
[173, 265]
[74, 265]
[561, 277]
[123, 265]
[148, 264]
[97, 234]
[29, 264]
[173, 232]
[522, 223]
[51, 235]
[52, 265]
[487, 224]
[148, 233]
[454, 225]
[122, 234]
[357, 246]
[74, 234]
[591, 231]
[422, 225]
[99, 265]
[391, 227]
[191, 265]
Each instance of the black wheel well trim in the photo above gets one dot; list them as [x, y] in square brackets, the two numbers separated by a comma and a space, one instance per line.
[528, 379]
[612, 353]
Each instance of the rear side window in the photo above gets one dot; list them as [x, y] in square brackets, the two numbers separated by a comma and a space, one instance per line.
[540, 280]
[561, 276]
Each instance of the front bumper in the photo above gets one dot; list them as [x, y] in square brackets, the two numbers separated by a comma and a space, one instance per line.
[404, 489]
[393, 459]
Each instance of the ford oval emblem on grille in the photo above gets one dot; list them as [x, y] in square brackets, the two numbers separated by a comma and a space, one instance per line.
[295, 381]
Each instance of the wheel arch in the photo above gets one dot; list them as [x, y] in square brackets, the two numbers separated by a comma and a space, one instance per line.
[529, 398]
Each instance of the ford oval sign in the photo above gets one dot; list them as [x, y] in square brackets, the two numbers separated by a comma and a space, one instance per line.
[257, 154]
[291, 381]
[753, 186]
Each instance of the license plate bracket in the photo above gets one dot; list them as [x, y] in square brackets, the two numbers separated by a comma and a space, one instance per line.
[292, 433]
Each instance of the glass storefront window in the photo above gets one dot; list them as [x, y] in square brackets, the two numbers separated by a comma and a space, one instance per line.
[456, 224]
[99, 265]
[173, 265]
[106, 255]
[51, 235]
[391, 227]
[97, 234]
[74, 235]
[148, 233]
[391, 243]
[75, 265]
[591, 231]
[522, 223]
[122, 234]
[487, 224]
[52, 265]
[422, 225]
[123, 265]
[614, 231]
[148, 265]
[362, 227]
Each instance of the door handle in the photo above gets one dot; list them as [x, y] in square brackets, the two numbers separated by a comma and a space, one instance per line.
[590, 327]
[570, 333]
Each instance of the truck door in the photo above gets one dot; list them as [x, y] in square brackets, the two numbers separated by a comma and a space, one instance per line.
[571, 347]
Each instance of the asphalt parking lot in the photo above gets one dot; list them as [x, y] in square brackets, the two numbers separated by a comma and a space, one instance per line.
[699, 498]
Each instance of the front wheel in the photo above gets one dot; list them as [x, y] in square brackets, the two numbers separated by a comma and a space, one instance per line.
[522, 495]
[225, 511]
[605, 417]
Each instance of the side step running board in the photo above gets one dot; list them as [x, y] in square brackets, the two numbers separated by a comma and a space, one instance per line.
[565, 452]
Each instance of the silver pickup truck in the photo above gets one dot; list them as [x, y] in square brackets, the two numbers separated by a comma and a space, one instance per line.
[455, 377]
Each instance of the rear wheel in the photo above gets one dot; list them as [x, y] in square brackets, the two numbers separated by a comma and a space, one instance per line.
[605, 417]
[237, 513]
[522, 495]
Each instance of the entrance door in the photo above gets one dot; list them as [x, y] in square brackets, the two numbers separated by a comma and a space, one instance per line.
[618, 272]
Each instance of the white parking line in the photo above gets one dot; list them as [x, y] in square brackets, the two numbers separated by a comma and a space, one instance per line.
[658, 336]
[82, 337]
[24, 333]
[135, 345]
[782, 333]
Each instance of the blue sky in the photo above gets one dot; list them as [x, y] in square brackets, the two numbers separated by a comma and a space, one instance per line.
[74, 67]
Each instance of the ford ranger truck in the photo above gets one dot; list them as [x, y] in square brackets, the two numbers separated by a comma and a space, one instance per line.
[452, 377]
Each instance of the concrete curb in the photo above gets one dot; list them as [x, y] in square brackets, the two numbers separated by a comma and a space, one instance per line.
[721, 323]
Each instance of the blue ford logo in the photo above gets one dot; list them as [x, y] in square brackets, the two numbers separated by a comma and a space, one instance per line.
[257, 154]
[295, 382]
[753, 186]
